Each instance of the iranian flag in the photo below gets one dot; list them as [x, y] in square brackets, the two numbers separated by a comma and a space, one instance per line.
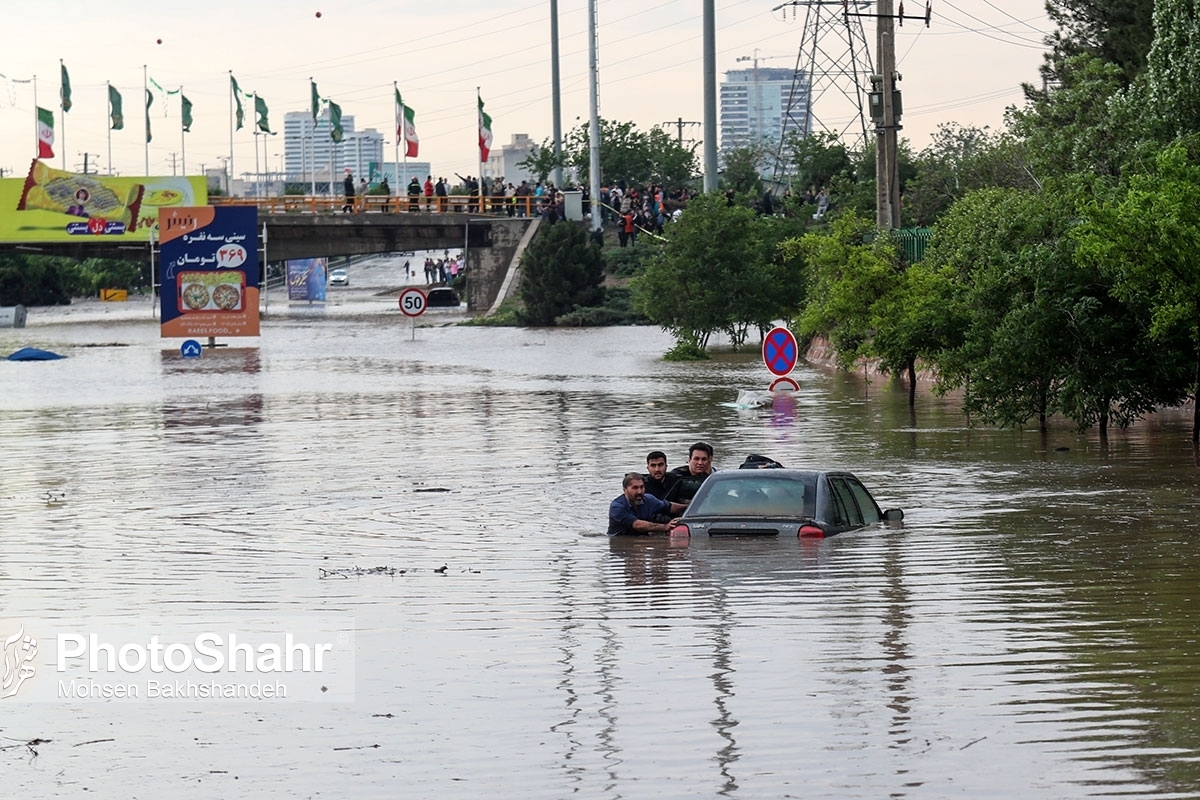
[406, 127]
[485, 132]
[45, 131]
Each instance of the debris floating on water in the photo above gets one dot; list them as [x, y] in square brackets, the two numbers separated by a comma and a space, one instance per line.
[349, 572]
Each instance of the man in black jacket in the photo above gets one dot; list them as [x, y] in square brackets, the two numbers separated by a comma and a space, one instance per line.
[687, 479]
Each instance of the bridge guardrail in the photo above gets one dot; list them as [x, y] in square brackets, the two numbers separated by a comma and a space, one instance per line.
[381, 204]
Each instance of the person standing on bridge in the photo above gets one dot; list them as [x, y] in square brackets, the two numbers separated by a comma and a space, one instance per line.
[414, 193]
[348, 187]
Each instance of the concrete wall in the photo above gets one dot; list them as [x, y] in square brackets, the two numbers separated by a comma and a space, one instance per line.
[487, 267]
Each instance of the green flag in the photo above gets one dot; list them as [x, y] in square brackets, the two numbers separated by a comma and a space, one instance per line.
[149, 102]
[260, 108]
[187, 114]
[316, 101]
[65, 91]
[237, 98]
[335, 119]
[114, 108]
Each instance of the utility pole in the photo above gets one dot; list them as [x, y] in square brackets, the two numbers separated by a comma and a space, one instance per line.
[88, 163]
[711, 131]
[555, 95]
[887, 171]
[679, 123]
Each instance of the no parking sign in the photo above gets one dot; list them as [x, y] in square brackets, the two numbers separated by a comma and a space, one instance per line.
[780, 351]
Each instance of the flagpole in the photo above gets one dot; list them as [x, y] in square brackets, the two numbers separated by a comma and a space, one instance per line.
[36, 132]
[479, 126]
[108, 124]
[254, 130]
[403, 126]
[400, 187]
[145, 92]
[312, 143]
[62, 67]
[229, 177]
[182, 135]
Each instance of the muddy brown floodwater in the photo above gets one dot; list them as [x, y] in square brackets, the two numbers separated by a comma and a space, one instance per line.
[1031, 630]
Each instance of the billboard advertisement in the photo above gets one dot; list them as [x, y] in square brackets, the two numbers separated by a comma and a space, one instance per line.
[306, 279]
[52, 205]
[209, 271]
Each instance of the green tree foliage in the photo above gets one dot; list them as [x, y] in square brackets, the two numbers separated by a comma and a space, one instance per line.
[54, 280]
[817, 159]
[31, 281]
[958, 160]
[542, 160]
[1045, 331]
[1117, 32]
[1167, 96]
[846, 278]
[741, 173]
[1083, 126]
[718, 272]
[561, 271]
[1148, 235]
[631, 156]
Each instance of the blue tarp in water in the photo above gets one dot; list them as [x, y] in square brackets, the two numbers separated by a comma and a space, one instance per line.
[34, 354]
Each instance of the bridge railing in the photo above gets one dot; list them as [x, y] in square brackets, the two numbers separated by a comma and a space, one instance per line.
[380, 204]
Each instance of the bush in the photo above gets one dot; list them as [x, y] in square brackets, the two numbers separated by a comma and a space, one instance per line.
[625, 262]
[561, 271]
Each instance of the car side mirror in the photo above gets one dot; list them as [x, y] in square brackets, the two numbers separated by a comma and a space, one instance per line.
[893, 515]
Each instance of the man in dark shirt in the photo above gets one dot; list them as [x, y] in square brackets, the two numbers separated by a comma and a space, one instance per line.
[658, 480]
[634, 511]
[687, 479]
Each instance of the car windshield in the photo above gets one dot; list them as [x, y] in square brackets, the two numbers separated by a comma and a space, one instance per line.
[755, 495]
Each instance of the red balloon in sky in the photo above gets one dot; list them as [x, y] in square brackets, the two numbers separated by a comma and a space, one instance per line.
[160, 41]
[318, 15]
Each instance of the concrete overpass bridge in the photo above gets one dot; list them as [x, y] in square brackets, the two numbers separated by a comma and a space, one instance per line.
[316, 227]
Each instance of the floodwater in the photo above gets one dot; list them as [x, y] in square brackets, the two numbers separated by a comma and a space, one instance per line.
[1031, 630]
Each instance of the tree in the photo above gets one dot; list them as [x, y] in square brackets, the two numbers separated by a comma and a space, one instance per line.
[1166, 94]
[846, 277]
[957, 160]
[715, 274]
[742, 170]
[561, 271]
[630, 156]
[541, 160]
[1148, 235]
[1117, 32]
[1084, 125]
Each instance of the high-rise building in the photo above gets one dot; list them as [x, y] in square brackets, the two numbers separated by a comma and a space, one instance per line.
[309, 151]
[760, 105]
[503, 161]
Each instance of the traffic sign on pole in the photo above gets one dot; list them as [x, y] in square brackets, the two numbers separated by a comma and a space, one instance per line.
[780, 351]
[413, 302]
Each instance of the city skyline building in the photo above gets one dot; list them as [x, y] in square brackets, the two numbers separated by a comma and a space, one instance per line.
[309, 152]
[760, 105]
[503, 161]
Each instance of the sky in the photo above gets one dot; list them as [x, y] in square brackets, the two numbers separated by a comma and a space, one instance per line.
[966, 67]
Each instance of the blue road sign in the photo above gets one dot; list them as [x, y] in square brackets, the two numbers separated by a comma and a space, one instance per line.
[191, 349]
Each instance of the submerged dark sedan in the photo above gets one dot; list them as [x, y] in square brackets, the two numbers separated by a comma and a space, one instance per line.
[781, 502]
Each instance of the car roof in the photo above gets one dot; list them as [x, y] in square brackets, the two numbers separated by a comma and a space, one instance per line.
[771, 474]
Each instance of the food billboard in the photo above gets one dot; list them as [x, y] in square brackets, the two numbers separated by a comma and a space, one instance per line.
[52, 205]
[209, 271]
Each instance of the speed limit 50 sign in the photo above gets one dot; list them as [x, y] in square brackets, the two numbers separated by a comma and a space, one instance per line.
[412, 302]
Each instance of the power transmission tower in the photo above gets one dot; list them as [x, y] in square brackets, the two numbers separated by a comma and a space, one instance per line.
[886, 109]
[835, 61]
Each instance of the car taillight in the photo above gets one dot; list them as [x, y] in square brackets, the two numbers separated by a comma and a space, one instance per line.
[680, 531]
[811, 532]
